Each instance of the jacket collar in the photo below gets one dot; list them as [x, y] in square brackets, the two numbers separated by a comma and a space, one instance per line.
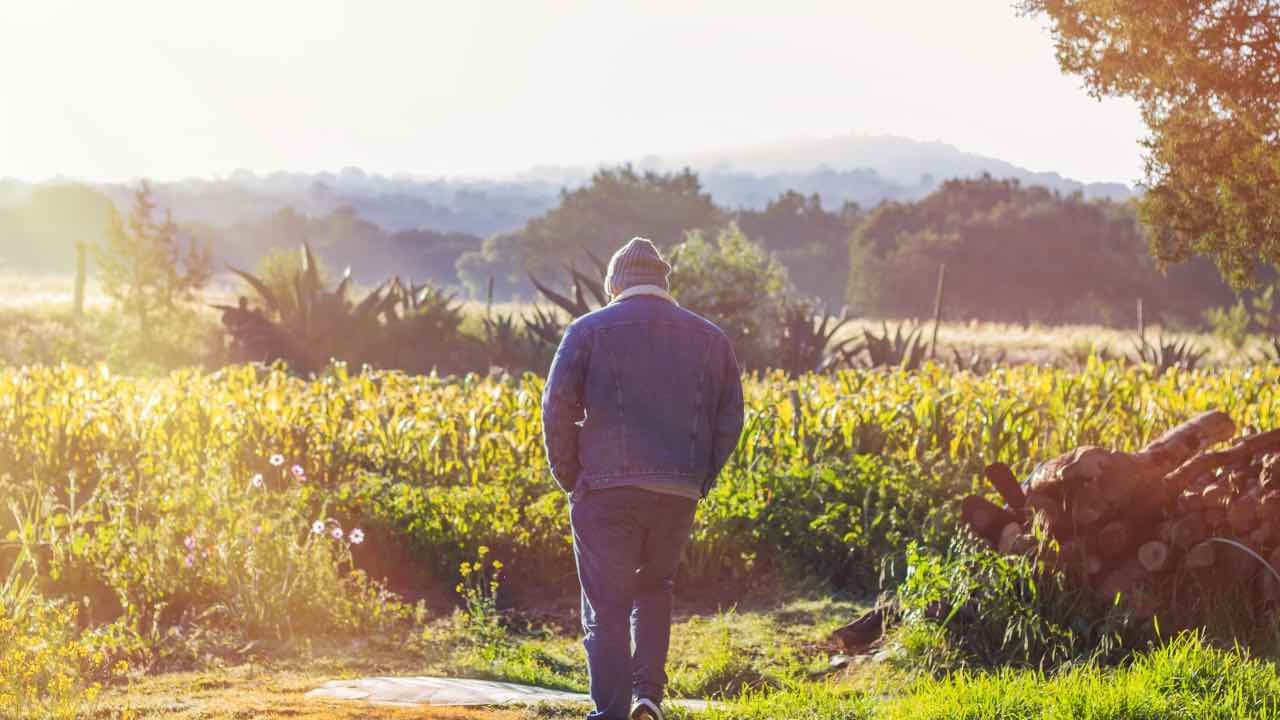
[637, 290]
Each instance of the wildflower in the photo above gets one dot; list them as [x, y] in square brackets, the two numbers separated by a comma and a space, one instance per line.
[276, 460]
[191, 560]
[190, 543]
[317, 527]
[298, 472]
[357, 536]
[336, 533]
[257, 480]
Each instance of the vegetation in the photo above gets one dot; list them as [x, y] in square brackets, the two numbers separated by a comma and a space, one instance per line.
[1202, 74]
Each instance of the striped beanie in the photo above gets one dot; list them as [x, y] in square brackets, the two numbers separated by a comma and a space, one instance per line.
[636, 263]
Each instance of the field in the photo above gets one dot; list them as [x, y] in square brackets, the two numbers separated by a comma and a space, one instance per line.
[246, 520]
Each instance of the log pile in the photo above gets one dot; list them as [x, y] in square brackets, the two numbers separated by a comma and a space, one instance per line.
[1123, 521]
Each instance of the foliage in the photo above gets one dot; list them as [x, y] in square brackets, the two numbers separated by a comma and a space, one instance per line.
[1185, 677]
[616, 205]
[811, 243]
[806, 340]
[997, 610]
[1202, 72]
[1231, 324]
[904, 349]
[1018, 254]
[734, 283]
[145, 268]
[411, 327]
[1164, 354]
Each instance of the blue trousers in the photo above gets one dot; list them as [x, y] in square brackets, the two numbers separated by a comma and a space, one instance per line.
[627, 543]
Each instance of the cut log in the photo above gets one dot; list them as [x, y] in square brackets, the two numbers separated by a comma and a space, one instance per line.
[1185, 531]
[1246, 448]
[1047, 477]
[1192, 437]
[1269, 475]
[1215, 518]
[985, 518]
[1087, 509]
[1113, 539]
[1153, 556]
[1242, 514]
[1009, 538]
[1215, 495]
[1003, 480]
[1121, 580]
[860, 633]
[1200, 556]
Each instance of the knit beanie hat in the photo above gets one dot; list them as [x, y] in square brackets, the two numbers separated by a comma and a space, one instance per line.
[636, 263]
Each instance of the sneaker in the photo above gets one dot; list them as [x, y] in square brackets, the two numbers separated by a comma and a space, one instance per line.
[646, 709]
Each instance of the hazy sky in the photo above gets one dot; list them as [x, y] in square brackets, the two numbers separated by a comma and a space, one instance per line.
[168, 89]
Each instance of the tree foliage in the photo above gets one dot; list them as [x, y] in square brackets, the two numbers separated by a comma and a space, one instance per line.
[1206, 74]
[145, 266]
[812, 243]
[1018, 254]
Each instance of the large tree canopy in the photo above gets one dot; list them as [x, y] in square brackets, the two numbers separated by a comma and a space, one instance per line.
[1206, 74]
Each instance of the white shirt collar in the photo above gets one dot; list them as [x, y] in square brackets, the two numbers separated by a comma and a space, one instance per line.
[635, 290]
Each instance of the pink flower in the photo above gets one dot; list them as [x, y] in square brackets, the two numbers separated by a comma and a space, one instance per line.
[317, 527]
[298, 472]
[357, 536]
[191, 560]
[336, 533]
[257, 481]
[190, 543]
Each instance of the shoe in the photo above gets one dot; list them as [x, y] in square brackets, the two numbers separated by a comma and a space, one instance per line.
[646, 709]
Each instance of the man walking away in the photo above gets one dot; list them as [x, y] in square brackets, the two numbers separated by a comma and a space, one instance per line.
[641, 409]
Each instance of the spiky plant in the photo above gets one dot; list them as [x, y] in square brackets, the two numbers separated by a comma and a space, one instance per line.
[807, 343]
[904, 348]
[1165, 354]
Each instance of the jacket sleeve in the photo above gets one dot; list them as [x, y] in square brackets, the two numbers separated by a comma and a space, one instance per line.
[562, 406]
[729, 417]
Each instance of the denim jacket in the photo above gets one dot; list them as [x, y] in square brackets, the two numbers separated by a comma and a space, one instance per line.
[642, 392]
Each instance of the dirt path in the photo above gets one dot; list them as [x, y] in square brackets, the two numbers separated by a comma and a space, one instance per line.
[244, 694]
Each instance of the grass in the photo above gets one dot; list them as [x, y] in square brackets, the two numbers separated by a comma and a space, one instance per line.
[1186, 677]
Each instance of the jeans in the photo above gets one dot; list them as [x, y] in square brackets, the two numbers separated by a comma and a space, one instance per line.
[627, 543]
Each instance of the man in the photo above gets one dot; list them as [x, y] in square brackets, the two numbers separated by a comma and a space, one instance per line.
[641, 409]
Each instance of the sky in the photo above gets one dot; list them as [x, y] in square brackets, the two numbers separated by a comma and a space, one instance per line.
[176, 88]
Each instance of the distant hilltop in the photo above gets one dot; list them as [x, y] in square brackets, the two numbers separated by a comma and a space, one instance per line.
[864, 169]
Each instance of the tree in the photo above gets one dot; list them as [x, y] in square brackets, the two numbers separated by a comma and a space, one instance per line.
[1019, 254]
[144, 266]
[616, 206]
[1206, 74]
[812, 243]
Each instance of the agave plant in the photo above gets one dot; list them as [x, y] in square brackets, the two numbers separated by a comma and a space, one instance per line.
[807, 343]
[394, 326]
[976, 361]
[1165, 354]
[903, 348]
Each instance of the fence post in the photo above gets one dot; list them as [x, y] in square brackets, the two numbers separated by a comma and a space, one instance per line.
[937, 310]
[77, 307]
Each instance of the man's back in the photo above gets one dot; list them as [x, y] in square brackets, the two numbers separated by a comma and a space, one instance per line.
[657, 392]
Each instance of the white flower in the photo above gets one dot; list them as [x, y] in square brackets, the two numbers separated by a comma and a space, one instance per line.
[357, 536]
[257, 481]
[336, 533]
[276, 460]
[317, 527]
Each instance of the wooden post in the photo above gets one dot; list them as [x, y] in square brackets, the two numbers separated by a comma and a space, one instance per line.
[937, 310]
[1142, 324]
[488, 306]
[77, 307]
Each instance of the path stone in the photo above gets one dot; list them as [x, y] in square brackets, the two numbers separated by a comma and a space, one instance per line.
[436, 691]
